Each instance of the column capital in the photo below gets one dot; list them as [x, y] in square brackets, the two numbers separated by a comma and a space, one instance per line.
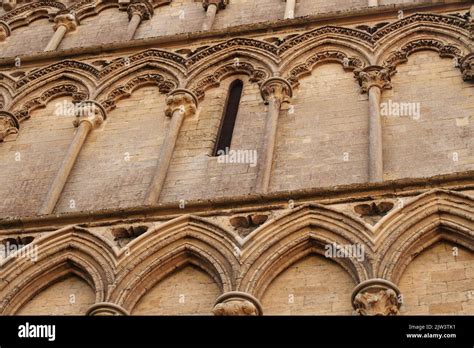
[181, 100]
[237, 303]
[374, 76]
[278, 88]
[5, 31]
[376, 297]
[9, 125]
[221, 4]
[66, 19]
[143, 8]
[90, 111]
[467, 67]
[106, 309]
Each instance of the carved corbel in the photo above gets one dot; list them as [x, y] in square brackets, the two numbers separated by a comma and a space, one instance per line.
[376, 297]
[467, 67]
[9, 125]
[106, 309]
[237, 304]
[5, 31]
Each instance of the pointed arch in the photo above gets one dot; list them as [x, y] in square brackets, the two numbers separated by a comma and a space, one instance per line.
[24, 15]
[295, 69]
[261, 53]
[275, 246]
[182, 241]
[146, 73]
[82, 71]
[71, 250]
[231, 65]
[65, 88]
[434, 216]
[447, 35]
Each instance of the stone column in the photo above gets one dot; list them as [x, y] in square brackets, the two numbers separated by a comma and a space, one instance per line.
[376, 297]
[211, 7]
[137, 11]
[373, 80]
[5, 31]
[237, 303]
[106, 309]
[181, 103]
[9, 125]
[290, 9]
[373, 3]
[275, 91]
[90, 115]
[467, 67]
[8, 5]
[64, 23]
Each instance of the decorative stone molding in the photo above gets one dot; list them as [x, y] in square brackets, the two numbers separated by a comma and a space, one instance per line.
[401, 56]
[9, 125]
[164, 85]
[374, 76]
[221, 4]
[467, 67]
[237, 303]
[106, 309]
[67, 20]
[214, 79]
[376, 297]
[5, 31]
[181, 100]
[90, 111]
[142, 8]
[349, 63]
[276, 88]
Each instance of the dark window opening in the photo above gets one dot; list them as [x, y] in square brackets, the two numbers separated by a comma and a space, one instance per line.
[231, 109]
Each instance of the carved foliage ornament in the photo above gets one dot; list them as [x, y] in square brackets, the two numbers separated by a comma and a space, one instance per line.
[467, 67]
[376, 297]
[277, 89]
[374, 76]
[68, 20]
[237, 304]
[221, 4]
[142, 8]
[183, 101]
[9, 125]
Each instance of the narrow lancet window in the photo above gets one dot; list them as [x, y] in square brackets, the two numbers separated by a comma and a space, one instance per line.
[231, 109]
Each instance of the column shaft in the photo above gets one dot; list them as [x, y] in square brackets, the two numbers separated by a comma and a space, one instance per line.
[268, 146]
[56, 38]
[66, 166]
[375, 136]
[164, 160]
[290, 9]
[133, 25]
[210, 16]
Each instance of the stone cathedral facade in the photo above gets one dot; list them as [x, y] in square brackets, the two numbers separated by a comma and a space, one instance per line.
[236, 157]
